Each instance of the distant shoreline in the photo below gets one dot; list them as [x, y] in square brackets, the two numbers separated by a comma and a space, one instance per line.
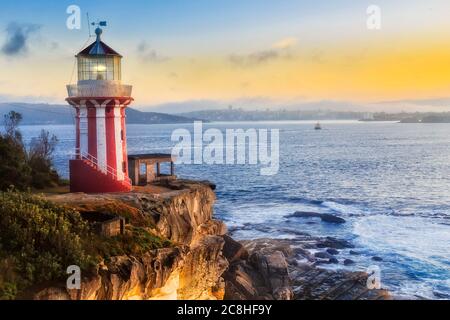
[45, 114]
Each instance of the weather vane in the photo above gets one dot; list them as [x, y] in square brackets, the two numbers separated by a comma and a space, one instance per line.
[97, 24]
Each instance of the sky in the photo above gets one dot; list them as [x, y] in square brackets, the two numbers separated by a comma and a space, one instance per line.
[269, 53]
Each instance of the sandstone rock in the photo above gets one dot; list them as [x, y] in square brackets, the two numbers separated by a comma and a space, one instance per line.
[318, 284]
[202, 269]
[233, 250]
[273, 269]
[268, 274]
[52, 293]
[239, 283]
[264, 275]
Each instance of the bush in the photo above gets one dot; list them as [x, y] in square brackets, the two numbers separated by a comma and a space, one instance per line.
[136, 241]
[26, 169]
[14, 167]
[39, 240]
[40, 161]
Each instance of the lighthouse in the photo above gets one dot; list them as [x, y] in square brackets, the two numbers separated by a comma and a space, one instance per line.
[100, 162]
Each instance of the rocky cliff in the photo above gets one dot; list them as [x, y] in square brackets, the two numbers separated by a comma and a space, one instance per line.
[267, 269]
[189, 269]
[203, 262]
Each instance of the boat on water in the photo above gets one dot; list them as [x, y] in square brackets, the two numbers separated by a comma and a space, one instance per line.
[318, 126]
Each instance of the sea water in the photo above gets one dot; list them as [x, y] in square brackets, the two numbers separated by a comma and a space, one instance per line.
[389, 181]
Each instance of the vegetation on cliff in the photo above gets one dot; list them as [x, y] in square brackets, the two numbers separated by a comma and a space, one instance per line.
[40, 239]
[24, 167]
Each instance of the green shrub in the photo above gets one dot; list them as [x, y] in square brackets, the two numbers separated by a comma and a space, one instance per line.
[14, 167]
[135, 241]
[39, 240]
[24, 168]
[40, 161]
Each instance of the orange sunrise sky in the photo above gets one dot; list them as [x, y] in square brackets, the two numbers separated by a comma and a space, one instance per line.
[281, 52]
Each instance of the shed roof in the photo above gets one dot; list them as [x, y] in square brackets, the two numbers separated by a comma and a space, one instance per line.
[153, 156]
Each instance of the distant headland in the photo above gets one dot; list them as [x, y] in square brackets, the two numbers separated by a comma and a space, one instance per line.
[52, 114]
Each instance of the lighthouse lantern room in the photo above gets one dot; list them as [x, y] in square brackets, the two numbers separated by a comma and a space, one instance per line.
[100, 99]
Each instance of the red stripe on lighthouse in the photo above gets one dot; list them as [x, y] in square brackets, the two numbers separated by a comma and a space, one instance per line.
[92, 130]
[110, 139]
[124, 142]
[77, 129]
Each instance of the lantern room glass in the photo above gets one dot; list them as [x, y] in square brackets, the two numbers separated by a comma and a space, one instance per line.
[99, 68]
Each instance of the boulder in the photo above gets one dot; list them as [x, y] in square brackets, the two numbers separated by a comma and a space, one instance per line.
[233, 250]
[274, 271]
[332, 219]
[348, 262]
[323, 255]
[334, 243]
[378, 259]
[325, 217]
[271, 273]
[333, 252]
[333, 261]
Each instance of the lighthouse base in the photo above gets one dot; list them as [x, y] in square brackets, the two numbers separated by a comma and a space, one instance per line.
[86, 178]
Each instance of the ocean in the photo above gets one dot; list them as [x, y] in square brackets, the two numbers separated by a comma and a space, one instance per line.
[389, 181]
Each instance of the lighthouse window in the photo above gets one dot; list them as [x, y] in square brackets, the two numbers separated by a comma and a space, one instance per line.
[98, 68]
[121, 135]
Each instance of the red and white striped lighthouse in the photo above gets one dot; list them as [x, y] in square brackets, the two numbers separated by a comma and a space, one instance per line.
[100, 99]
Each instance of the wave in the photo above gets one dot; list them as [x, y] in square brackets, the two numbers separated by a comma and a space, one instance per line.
[345, 209]
[414, 237]
[418, 246]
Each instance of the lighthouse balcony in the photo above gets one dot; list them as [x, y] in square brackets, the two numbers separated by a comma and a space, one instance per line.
[99, 88]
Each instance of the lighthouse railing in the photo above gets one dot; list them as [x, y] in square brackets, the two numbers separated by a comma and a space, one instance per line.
[81, 155]
[99, 89]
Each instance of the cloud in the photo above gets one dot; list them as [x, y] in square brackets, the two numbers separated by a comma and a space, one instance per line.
[17, 37]
[279, 50]
[254, 59]
[150, 55]
[286, 43]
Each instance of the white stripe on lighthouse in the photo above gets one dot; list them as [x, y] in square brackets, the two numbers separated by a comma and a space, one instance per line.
[83, 128]
[101, 136]
[119, 142]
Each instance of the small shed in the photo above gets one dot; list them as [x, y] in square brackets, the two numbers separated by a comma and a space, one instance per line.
[146, 168]
[105, 224]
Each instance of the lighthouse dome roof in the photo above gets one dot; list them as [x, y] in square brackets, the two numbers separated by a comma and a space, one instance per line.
[98, 48]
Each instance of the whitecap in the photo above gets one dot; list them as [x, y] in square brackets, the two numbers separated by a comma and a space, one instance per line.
[345, 209]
